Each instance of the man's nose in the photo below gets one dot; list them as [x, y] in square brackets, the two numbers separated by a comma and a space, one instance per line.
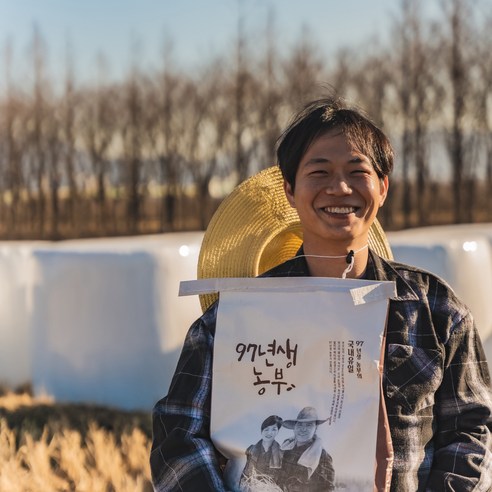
[338, 185]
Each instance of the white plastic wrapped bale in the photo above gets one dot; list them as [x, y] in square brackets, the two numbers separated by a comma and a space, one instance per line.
[107, 323]
[15, 363]
[460, 255]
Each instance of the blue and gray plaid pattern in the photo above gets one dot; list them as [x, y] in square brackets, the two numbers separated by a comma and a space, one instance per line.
[436, 384]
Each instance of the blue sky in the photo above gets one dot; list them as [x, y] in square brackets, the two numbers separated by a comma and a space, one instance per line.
[136, 29]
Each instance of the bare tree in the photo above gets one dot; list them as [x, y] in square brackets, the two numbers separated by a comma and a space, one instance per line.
[483, 103]
[53, 149]
[207, 143]
[68, 136]
[162, 111]
[269, 97]
[341, 74]
[37, 200]
[303, 72]
[97, 130]
[131, 134]
[240, 95]
[13, 181]
[427, 98]
[458, 17]
[402, 79]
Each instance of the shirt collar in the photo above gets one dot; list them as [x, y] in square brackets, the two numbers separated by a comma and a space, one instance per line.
[377, 269]
[381, 269]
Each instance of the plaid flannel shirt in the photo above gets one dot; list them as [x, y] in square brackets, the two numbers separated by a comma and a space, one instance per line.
[436, 386]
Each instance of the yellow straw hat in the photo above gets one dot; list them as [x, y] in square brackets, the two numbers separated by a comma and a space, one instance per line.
[255, 229]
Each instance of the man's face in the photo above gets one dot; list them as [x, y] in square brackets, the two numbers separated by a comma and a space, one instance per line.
[337, 194]
[304, 431]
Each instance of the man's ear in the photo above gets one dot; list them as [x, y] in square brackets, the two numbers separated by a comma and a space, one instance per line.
[289, 193]
[383, 190]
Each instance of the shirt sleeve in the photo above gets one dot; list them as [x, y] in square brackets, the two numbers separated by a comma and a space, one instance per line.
[183, 457]
[463, 441]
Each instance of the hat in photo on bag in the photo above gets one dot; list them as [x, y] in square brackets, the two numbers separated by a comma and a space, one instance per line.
[307, 414]
[255, 229]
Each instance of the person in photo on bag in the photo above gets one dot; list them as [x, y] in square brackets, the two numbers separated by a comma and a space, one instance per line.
[306, 466]
[264, 459]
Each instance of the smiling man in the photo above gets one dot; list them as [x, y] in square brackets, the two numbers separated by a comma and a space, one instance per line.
[436, 400]
[336, 165]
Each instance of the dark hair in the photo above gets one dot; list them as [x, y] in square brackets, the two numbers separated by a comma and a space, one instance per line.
[322, 116]
[272, 420]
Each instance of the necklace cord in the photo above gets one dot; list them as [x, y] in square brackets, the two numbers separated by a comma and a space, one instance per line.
[349, 258]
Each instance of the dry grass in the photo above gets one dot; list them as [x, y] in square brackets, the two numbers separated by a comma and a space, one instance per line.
[54, 454]
[259, 483]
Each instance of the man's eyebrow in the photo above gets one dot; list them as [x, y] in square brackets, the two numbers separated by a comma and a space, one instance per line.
[355, 159]
[317, 160]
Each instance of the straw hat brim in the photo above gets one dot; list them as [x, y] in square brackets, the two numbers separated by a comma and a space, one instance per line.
[255, 229]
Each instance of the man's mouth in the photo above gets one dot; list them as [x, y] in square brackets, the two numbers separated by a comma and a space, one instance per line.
[339, 210]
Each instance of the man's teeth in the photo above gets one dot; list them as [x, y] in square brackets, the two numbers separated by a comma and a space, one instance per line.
[339, 210]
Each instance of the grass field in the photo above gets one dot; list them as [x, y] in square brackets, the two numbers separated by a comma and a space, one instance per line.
[46, 446]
